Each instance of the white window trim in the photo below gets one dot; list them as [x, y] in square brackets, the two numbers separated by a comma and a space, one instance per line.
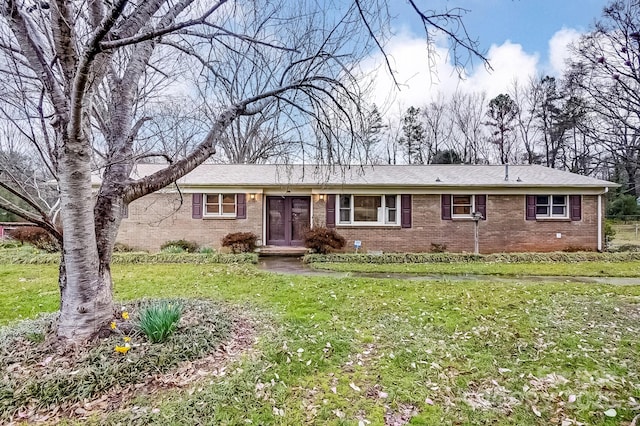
[551, 204]
[383, 211]
[464, 216]
[220, 197]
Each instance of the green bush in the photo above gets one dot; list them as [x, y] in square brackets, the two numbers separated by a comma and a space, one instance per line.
[206, 250]
[173, 249]
[21, 257]
[470, 257]
[160, 320]
[122, 248]
[188, 246]
[323, 240]
[240, 242]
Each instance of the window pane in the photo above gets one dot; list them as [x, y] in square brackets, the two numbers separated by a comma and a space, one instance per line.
[365, 208]
[461, 210]
[542, 210]
[344, 215]
[462, 199]
[211, 209]
[212, 198]
[542, 199]
[228, 208]
[559, 199]
[229, 198]
[558, 210]
[391, 216]
[345, 201]
[390, 201]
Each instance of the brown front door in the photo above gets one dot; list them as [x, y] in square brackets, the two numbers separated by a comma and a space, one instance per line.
[287, 220]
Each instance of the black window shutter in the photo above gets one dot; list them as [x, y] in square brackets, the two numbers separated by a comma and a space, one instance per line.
[531, 207]
[446, 207]
[331, 211]
[405, 211]
[241, 206]
[575, 207]
[196, 206]
[481, 205]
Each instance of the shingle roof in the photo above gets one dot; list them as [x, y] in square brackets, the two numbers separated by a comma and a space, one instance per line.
[425, 176]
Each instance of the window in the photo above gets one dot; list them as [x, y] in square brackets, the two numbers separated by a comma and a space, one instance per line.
[368, 209]
[455, 206]
[551, 206]
[220, 205]
[462, 205]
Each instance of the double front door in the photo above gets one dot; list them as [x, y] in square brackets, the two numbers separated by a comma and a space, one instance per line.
[287, 220]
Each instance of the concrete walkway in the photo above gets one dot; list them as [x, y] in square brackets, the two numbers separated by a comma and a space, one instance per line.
[294, 265]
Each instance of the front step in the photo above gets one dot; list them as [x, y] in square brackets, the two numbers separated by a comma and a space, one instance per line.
[282, 251]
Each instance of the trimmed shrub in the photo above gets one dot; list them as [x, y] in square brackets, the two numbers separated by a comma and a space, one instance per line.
[37, 237]
[186, 246]
[470, 257]
[122, 248]
[438, 248]
[240, 242]
[323, 240]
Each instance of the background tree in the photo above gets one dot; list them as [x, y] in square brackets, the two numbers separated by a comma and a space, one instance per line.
[606, 67]
[502, 112]
[413, 136]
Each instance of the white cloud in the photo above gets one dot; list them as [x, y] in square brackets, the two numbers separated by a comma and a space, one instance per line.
[421, 82]
[558, 49]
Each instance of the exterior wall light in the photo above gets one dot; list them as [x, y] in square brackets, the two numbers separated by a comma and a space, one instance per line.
[252, 196]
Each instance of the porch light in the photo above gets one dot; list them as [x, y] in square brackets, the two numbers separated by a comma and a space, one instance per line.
[321, 197]
[252, 196]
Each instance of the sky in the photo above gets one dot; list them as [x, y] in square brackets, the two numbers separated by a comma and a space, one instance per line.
[521, 38]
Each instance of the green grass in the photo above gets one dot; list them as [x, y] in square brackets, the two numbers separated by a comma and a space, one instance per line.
[344, 350]
[582, 269]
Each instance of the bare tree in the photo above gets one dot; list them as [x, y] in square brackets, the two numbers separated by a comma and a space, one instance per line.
[606, 66]
[89, 75]
[468, 114]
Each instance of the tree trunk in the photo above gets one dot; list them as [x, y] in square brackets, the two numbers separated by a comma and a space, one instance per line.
[86, 302]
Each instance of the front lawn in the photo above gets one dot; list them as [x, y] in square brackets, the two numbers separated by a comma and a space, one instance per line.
[342, 351]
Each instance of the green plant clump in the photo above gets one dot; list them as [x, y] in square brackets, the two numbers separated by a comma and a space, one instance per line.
[188, 246]
[160, 320]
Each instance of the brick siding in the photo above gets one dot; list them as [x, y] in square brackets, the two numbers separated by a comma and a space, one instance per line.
[505, 229]
[158, 218]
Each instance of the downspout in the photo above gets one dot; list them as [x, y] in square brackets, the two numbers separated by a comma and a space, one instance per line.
[600, 219]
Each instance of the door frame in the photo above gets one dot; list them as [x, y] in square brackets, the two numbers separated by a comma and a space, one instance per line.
[288, 241]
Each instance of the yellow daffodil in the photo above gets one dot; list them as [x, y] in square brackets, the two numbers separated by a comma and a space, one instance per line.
[125, 315]
[113, 325]
[126, 338]
[122, 349]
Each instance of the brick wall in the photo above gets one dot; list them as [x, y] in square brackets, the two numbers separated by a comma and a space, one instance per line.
[158, 218]
[505, 229]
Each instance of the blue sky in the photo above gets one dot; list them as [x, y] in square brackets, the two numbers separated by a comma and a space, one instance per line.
[531, 23]
[523, 39]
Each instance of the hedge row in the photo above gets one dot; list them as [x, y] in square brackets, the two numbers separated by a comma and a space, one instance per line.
[10, 257]
[470, 257]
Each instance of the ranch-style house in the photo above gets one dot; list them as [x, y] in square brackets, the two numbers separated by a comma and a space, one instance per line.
[388, 208]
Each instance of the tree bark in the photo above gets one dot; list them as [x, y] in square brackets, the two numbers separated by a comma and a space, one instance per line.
[85, 293]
